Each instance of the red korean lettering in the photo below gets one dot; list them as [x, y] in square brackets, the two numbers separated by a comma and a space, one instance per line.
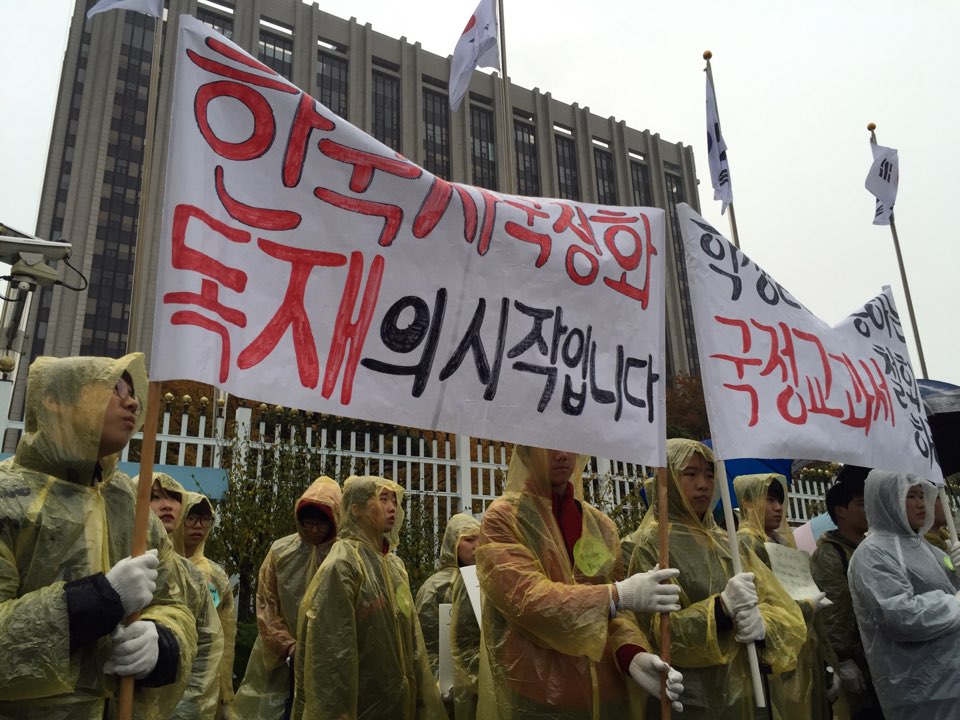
[391, 214]
[292, 313]
[783, 405]
[643, 251]
[433, 208]
[307, 119]
[593, 265]
[264, 125]
[258, 217]
[187, 258]
[754, 400]
[366, 163]
[218, 68]
[525, 234]
[777, 356]
[739, 362]
[188, 317]
[347, 331]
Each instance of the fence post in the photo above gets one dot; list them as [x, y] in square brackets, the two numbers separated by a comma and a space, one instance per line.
[464, 474]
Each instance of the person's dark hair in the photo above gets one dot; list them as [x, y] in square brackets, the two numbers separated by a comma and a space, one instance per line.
[843, 492]
[202, 508]
[776, 489]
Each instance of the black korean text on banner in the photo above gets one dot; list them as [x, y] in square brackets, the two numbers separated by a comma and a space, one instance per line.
[306, 264]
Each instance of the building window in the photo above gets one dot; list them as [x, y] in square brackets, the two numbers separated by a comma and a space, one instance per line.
[386, 109]
[640, 177]
[276, 52]
[568, 179]
[218, 22]
[332, 81]
[436, 139]
[484, 153]
[528, 164]
[674, 186]
[606, 177]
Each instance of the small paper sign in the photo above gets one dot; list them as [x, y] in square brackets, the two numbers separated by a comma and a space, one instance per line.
[472, 583]
[792, 568]
[445, 677]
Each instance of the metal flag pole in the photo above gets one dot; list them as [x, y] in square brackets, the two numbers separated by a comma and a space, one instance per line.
[903, 275]
[506, 107]
[146, 170]
[733, 215]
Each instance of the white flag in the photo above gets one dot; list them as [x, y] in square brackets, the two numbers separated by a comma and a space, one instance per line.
[717, 152]
[477, 47]
[147, 7]
[882, 181]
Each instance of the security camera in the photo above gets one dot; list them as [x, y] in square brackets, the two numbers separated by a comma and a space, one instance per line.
[19, 246]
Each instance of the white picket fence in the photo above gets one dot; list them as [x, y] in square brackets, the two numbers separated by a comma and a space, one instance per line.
[461, 473]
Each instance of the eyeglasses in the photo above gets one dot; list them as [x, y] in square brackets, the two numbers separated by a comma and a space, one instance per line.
[125, 391]
[198, 521]
[314, 525]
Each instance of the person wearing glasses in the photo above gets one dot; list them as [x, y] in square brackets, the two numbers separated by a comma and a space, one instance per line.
[67, 580]
[266, 691]
[201, 699]
[197, 523]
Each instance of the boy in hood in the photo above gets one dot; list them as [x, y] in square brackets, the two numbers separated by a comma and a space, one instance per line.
[66, 578]
[801, 693]
[904, 595]
[559, 639]
[456, 550]
[360, 651]
[197, 523]
[200, 700]
[284, 575]
[721, 611]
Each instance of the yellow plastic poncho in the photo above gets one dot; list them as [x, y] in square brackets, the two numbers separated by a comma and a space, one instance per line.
[360, 652]
[798, 694]
[716, 675]
[285, 573]
[219, 585]
[465, 649]
[437, 588]
[549, 643]
[200, 699]
[63, 517]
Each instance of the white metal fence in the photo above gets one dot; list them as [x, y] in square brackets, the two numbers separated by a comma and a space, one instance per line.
[461, 473]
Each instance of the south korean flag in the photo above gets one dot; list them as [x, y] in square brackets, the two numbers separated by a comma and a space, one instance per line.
[717, 152]
[882, 182]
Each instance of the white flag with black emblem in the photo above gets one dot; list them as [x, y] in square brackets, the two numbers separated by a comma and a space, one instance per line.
[717, 152]
[882, 181]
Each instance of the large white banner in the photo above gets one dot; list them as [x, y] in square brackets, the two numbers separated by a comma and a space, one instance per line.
[780, 382]
[304, 263]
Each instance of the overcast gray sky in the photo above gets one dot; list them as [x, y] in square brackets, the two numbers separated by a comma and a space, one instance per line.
[797, 84]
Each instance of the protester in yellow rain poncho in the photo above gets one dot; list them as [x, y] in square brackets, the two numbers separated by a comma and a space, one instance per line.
[464, 641]
[66, 578]
[197, 523]
[360, 650]
[802, 693]
[437, 589]
[284, 575]
[554, 644]
[720, 611]
[938, 535]
[200, 700]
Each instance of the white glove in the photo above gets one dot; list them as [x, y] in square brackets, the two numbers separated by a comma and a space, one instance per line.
[646, 669]
[739, 594]
[833, 692]
[749, 625]
[851, 678]
[955, 555]
[135, 580]
[650, 591]
[135, 650]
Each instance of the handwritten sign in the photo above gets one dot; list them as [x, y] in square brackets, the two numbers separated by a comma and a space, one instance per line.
[306, 264]
[792, 568]
[472, 583]
[445, 673]
[780, 382]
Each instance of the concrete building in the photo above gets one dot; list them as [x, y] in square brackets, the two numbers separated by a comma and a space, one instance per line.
[389, 87]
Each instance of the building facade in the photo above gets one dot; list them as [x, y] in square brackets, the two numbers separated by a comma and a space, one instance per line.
[388, 87]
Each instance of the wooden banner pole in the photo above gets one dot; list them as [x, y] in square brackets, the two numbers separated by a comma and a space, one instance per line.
[664, 527]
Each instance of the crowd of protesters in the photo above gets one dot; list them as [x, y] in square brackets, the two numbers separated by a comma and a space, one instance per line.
[570, 621]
